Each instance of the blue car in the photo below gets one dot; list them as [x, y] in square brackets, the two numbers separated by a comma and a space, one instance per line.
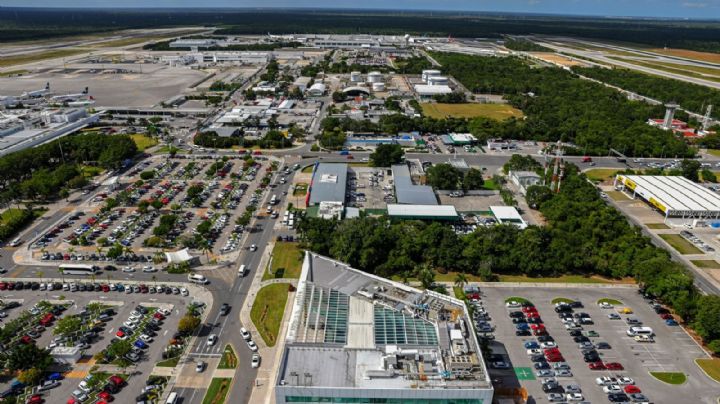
[522, 326]
[532, 345]
[140, 344]
[55, 376]
[671, 322]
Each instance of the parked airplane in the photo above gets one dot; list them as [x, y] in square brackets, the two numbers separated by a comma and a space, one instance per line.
[70, 97]
[37, 93]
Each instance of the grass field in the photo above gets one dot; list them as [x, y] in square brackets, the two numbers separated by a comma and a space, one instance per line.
[489, 184]
[680, 244]
[267, 311]
[169, 363]
[9, 215]
[38, 56]
[714, 152]
[458, 292]
[657, 226]
[617, 196]
[688, 54]
[300, 189]
[286, 261]
[518, 299]
[706, 264]
[13, 73]
[308, 169]
[670, 377]
[492, 111]
[614, 302]
[143, 142]
[670, 68]
[228, 359]
[217, 391]
[711, 367]
[558, 279]
[601, 174]
[90, 171]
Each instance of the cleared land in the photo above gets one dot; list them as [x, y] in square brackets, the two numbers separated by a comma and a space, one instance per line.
[217, 391]
[143, 142]
[470, 110]
[670, 377]
[706, 264]
[601, 174]
[680, 244]
[267, 311]
[670, 68]
[688, 54]
[556, 58]
[711, 367]
[36, 57]
[657, 226]
[286, 261]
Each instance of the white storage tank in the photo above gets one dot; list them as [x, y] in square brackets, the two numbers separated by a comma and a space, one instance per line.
[437, 80]
[378, 87]
[375, 77]
[426, 74]
[355, 77]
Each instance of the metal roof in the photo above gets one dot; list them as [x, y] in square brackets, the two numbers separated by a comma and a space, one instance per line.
[675, 193]
[422, 210]
[408, 193]
[328, 183]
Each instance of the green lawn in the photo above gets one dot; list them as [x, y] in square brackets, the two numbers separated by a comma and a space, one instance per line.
[614, 302]
[300, 189]
[166, 150]
[267, 311]
[10, 214]
[517, 299]
[308, 169]
[217, 391]
[90, 171]
[706, 264]
[143, 142]
[657, 226]
[458, 292]
[601, 174]
[558, 279]
[680, 244]
[286, 261]
[714, 152]
[470, 110]
[617, 196]
[228, 359]
[670, 377]
[711, 367]
[561, 300]
[489, 184]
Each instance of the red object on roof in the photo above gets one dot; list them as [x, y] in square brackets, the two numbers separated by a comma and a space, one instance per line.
[689, 133]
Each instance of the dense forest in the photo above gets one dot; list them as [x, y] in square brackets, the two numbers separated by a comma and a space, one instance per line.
[32, 23]
[583, 236]
[42, 172]
[692, 97]
[559, 105]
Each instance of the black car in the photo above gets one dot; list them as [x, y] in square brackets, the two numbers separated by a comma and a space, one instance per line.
[516, 314]
[618, 397]
[534, 320]
[518, 320]
[581, 338]
[523, 333]
[141, 309]
[35, 286]
[575, 333]
[563, 309]
[591, 358]
[576, 305]
[541, 365]
[602, 345]
[111, 388]
[110, 268]
[11, 305]
[224, 309]
[545, 338]
[538, 358]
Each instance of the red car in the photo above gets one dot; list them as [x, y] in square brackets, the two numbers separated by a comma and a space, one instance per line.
[554, 358]
[3, 285]
[529, 309]
[117, 380]
[26, 340]
[105, 288]
[532, 314]
[105, 396]
[632, 389]
[596, 366]
[34, 399]
[72, 401]
[666, 316]
[614, 366]
[119, 334]
[159, 316]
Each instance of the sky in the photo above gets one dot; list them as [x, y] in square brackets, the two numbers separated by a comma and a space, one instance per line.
[641, 8]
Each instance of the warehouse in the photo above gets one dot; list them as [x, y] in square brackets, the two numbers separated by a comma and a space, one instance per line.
[328, 184]
[674, 196]
[508, 215]
[408, 193]
[423, 212]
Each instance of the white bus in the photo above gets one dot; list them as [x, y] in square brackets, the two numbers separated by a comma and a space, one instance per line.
[633, 331]
[172, 398]
[79, 269]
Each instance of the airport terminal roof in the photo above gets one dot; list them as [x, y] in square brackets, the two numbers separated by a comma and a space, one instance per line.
[674, 195]
[408, 193]
[351, 329]
[328, 183]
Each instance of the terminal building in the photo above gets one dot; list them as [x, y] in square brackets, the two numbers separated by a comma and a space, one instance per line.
[354, 337]
[674, 196]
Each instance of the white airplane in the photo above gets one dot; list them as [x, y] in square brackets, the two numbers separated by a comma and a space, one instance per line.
[37, 93]
[83, 103]
[70, 97]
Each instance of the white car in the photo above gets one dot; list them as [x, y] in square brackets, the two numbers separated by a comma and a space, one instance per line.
[253, 347]
[512, 304]
[245, 334]
[164, 312]
[605, 305]
[128, 269]
[212, 339]
[625, 381]
[253, 247]
[255, 361]
[612, 389]
[148, 268]
[184, 292]
[84, 386]
[547, 344]
[531, 352]
[146, 338]
[605, 380]
[574, 397]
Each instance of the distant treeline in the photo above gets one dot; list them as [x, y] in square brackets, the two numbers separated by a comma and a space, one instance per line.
[29, 23]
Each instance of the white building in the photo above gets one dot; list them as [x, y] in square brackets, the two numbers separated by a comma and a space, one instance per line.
[524, 179]
[508, 215]
[426, 90]
[355, 337]
[316, 90]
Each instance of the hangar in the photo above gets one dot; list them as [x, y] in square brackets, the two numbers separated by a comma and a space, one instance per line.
[674, 196]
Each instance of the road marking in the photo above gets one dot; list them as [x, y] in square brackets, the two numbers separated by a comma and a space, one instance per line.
[111, 330]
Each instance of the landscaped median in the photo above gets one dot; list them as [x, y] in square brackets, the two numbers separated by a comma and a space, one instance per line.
[286, 262]
[670, 377]
[267, 311]
[682, 246]
[711, 367]
[217, 391]
[229, 359]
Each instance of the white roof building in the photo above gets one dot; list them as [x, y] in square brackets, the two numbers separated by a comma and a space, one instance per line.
[508, 215]
[430, 90]
[316, 89]
[674, 196]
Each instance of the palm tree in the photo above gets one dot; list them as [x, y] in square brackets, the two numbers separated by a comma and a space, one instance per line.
[205, 248]
[127, 250]
[426, 275]
[461, 280]
[99, 249]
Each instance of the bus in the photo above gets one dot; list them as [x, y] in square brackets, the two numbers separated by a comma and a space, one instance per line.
[79, 269]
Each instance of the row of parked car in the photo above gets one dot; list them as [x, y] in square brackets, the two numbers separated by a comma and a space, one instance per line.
[59, 256]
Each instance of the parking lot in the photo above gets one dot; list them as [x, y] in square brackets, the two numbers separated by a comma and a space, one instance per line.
[672, 350]
[103, 319]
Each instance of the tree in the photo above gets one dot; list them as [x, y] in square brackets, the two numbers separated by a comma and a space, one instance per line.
[67, 325]
[30, 376]
[26, 356]
[426, 276]
[461, 280]
[338, 96]
[386, 155]
[473, 179]
[443, 176]
[118, 349]
[536, 195]
[708, 176]
[64, 194]
[707, 318]
[188, 324]
[690, 169]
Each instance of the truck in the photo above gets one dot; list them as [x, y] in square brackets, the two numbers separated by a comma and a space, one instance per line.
[586, 159]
